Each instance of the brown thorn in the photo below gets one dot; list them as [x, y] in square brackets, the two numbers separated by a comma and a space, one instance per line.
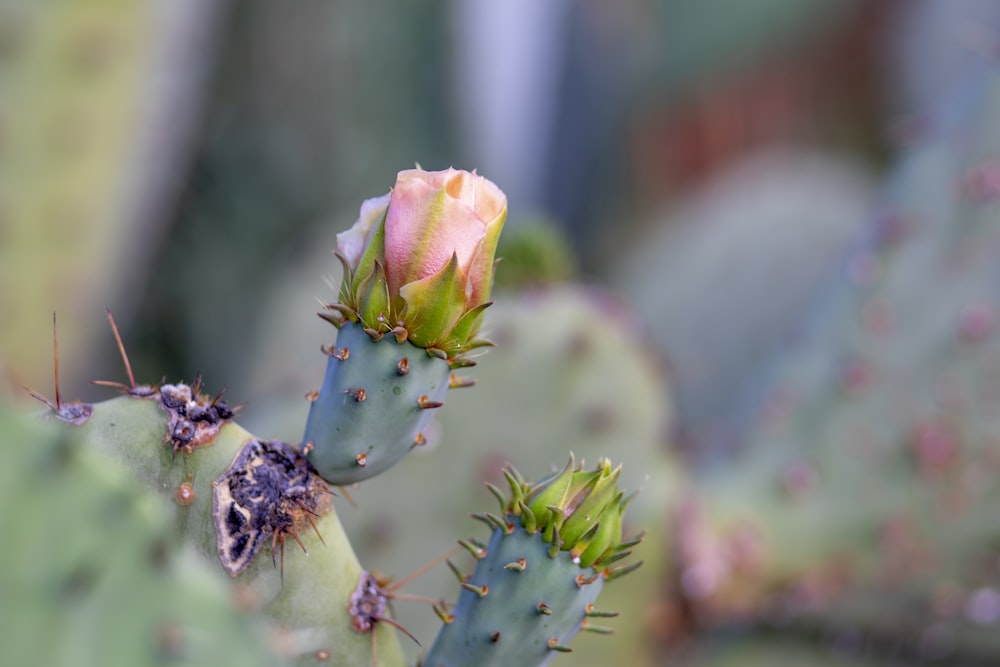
[396, 585]
[34, 394]
[110, 383]
[218, 397]
[55, 358]
[121, 347]
[313, 524]
[295, 536]
[425, 403]
[396, 625]
[347, 494]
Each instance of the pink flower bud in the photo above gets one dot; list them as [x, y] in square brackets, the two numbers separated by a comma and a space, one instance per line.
[423, 255]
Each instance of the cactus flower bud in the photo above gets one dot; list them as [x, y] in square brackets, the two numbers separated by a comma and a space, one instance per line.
[576, 501]
[422, 258]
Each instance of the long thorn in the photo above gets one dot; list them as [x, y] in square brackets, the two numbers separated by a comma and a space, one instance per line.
[55, 358]
[313, 524]
[396, 585]
[347, 494]
[121, 347]
[396, 625]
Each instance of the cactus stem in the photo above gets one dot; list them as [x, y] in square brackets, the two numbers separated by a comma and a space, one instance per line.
[611, 574]
[361, 460]
[590, 612]
[554, 645]
[596, 629]
[403, 366]
[481, 591]
[456, 382]
[425, 403]
[477, 551]
[543, 609]
[517, 565]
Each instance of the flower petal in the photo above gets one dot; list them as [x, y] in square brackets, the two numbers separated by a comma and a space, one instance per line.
[352, 243]
[424, 228]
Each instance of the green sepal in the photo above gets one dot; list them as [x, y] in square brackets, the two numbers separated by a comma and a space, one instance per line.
[434, 305]
[466, 327]
[374, 249]
[552, 491]
[608, 534]
[587, 510]
[375, 309]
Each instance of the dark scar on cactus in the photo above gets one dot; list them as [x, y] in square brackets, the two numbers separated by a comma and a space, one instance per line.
[269, 491]
[194, 418]
[73, 412]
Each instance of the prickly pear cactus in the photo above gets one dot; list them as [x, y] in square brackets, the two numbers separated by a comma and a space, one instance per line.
[253, 507]
[257, 514]
[864, 507]
[552, 548]
[570, 372]
[93, 573]
[376, 402]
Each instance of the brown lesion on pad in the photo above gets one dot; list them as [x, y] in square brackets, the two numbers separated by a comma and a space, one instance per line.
[269, 491]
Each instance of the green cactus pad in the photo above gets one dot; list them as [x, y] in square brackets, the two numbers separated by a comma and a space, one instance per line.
[90, 575]
[515, 615]
[376, 400]
[301, 594]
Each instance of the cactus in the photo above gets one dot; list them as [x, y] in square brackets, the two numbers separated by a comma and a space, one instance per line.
[92, 573]
[863, 505]
[256, 515]
[572, 365]
[536, 581]
[376, 401]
